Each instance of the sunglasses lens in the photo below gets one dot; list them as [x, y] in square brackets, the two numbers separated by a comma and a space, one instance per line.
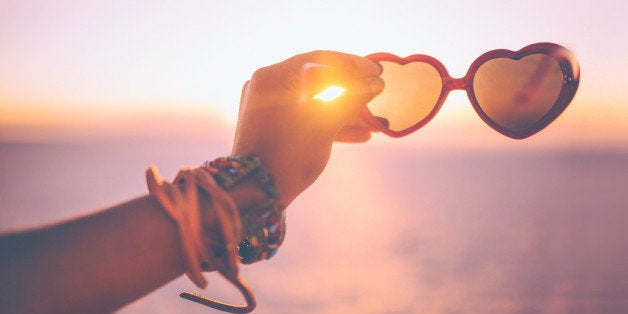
[411, 93]
[517, 94]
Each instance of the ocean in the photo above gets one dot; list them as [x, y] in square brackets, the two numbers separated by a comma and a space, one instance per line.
[381, 231]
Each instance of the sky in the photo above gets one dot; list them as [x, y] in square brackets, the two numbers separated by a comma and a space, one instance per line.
[116, 67]
[79, 70]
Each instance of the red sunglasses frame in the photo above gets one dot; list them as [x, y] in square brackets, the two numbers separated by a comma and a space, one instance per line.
[566, 60]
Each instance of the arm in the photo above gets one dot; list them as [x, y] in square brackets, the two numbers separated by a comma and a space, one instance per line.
[96, 263]
[103, 261]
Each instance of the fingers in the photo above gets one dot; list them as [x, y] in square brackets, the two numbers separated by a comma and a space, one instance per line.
[350, 64]
[321, 69]
[350, 134]
[288, 73]
[357, 130]
[295, 81]
[316, 77]
[356, 96]
[303, 75]
[358, 122]
[359, 93]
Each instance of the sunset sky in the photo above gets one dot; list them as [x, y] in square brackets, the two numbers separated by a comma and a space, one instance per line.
[114, 67]
[499, 226]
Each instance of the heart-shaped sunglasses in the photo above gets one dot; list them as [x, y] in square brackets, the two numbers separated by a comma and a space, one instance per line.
[517, 93]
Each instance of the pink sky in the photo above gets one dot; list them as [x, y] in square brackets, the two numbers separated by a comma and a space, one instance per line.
[67, 65]
[525, 226]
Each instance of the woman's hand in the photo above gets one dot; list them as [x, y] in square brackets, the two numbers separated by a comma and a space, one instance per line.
[292, 132]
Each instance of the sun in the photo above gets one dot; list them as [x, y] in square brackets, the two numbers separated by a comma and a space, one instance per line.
[330, 93]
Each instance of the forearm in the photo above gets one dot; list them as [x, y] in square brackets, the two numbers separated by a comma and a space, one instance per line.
[96, 263]
[99, 262]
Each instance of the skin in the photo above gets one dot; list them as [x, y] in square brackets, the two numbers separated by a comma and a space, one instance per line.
[101, 262]
[293, 133]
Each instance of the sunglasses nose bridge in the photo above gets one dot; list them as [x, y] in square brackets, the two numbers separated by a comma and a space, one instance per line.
[455, 83]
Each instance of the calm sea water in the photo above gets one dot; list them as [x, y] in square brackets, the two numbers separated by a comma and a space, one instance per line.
[541, 231]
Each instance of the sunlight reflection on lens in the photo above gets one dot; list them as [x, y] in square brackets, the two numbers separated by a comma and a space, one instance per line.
[330, 93]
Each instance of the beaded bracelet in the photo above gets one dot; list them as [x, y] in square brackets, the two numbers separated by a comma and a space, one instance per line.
[264, 229]
[264, 225]
[259, 231]
[229, 171]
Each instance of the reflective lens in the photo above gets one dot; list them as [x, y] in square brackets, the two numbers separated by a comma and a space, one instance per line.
[516, 94]
[411, 93]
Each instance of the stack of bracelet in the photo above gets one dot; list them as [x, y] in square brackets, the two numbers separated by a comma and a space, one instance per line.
[264, 225]
[260, 230]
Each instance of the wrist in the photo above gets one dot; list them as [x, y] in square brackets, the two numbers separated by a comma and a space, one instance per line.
[248, 194]
[262, 214]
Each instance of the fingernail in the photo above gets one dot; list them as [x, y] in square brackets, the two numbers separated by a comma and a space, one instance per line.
[376, 85]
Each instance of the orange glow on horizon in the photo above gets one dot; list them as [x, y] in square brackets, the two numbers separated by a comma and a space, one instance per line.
[454, 216]
[66, 64]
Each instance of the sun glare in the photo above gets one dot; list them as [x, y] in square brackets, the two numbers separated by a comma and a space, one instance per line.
[330, 93]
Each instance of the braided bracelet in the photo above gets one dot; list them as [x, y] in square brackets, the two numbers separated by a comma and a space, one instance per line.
[180, 201]
[259, 230]
[264, 225]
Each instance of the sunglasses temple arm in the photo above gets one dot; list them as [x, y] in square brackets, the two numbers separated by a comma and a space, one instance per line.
[532, 87]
